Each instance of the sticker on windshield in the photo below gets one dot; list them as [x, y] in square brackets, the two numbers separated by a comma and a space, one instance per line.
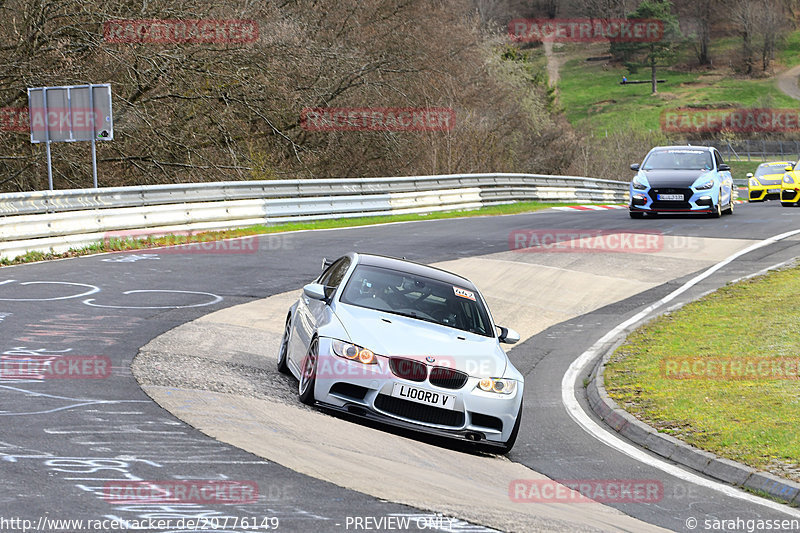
[685, 151]
[464, 293]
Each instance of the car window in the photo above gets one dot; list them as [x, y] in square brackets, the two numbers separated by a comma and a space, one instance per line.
[718, 158]
[678, 159]
[417, 297]
[333, 276]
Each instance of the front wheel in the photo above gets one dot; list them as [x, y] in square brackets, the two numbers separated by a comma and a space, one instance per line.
[283, 354]
[717, 212]
[308, 373]
[787, 204]
[729, 211]
[636, 214]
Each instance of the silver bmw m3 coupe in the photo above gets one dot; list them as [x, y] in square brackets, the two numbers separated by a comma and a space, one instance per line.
[405, 344]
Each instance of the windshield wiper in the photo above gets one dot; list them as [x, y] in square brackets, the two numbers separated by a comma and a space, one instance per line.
[414, 315]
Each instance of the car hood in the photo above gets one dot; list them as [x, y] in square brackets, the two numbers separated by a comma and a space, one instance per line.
[397, 336]
[672, 178]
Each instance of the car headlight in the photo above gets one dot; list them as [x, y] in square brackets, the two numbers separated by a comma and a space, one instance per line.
[638, 184]
[754, 182]
[354, 352]
[787, 178]
[705, 186]
[498, 385]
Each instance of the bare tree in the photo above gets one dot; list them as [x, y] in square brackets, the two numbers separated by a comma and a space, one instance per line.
[771, 25]
[760, 23]
[698, 17]
[202, 112]
[744, 16]
[605, 8]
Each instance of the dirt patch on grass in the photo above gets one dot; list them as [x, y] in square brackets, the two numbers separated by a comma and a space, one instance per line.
[597, 107]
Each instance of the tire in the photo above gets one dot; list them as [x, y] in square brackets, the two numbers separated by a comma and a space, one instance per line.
[787, 204]
[729, 211]
[717, 211]
[507, 445]
[283, 353]
[308, 373]
[636, 214]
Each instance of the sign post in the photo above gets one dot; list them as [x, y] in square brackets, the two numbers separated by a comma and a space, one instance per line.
[69, 114]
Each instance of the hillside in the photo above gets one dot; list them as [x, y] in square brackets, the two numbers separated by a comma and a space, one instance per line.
[189, 111]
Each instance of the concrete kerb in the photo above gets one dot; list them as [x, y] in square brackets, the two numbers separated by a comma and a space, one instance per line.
[676, 450]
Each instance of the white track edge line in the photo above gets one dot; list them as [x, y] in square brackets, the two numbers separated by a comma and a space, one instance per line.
[576, 412]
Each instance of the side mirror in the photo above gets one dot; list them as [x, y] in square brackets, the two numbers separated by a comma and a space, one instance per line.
[507, 335]
[749, 175]
[788, 169]
[635, 166]
[315, 291]
[723, 167]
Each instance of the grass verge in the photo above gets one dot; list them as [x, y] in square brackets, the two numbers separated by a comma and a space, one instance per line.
[752, 420]
[115, 244]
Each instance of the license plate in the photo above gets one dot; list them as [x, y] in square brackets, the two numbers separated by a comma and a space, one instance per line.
[423, 396]
[678, 197]
[773, 191]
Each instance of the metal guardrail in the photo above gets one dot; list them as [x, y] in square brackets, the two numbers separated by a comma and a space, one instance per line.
[755, 149]
[59, 220]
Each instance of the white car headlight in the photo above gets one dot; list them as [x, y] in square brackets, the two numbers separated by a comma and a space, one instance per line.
[787, 178]
[498, 385]
[754, 182]
[354, 352]
[638, 184]
[705, 186]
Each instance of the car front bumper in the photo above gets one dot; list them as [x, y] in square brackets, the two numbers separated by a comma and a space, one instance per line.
[699, 202]
[366, 391]
[763, 192]
[790, 194]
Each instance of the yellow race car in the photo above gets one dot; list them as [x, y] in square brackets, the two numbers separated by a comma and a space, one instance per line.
[790, 188]
[766, 184]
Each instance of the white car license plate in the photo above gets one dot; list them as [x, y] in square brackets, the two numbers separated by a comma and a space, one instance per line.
[773, 191]
[678, 197]
[423, 396]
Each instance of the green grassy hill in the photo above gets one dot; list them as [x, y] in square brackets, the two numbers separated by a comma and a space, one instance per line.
[594, 101]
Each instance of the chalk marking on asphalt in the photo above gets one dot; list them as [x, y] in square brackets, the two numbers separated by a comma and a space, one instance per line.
[576, 412]
[216, 299]
[80, 402]
[92, 289]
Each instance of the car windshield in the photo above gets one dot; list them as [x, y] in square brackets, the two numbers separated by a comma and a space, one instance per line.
[678, 160]
[419, 297]
[763, 170]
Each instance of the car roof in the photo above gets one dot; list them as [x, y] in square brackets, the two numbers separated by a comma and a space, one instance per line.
[411, 267]
[683, 147]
